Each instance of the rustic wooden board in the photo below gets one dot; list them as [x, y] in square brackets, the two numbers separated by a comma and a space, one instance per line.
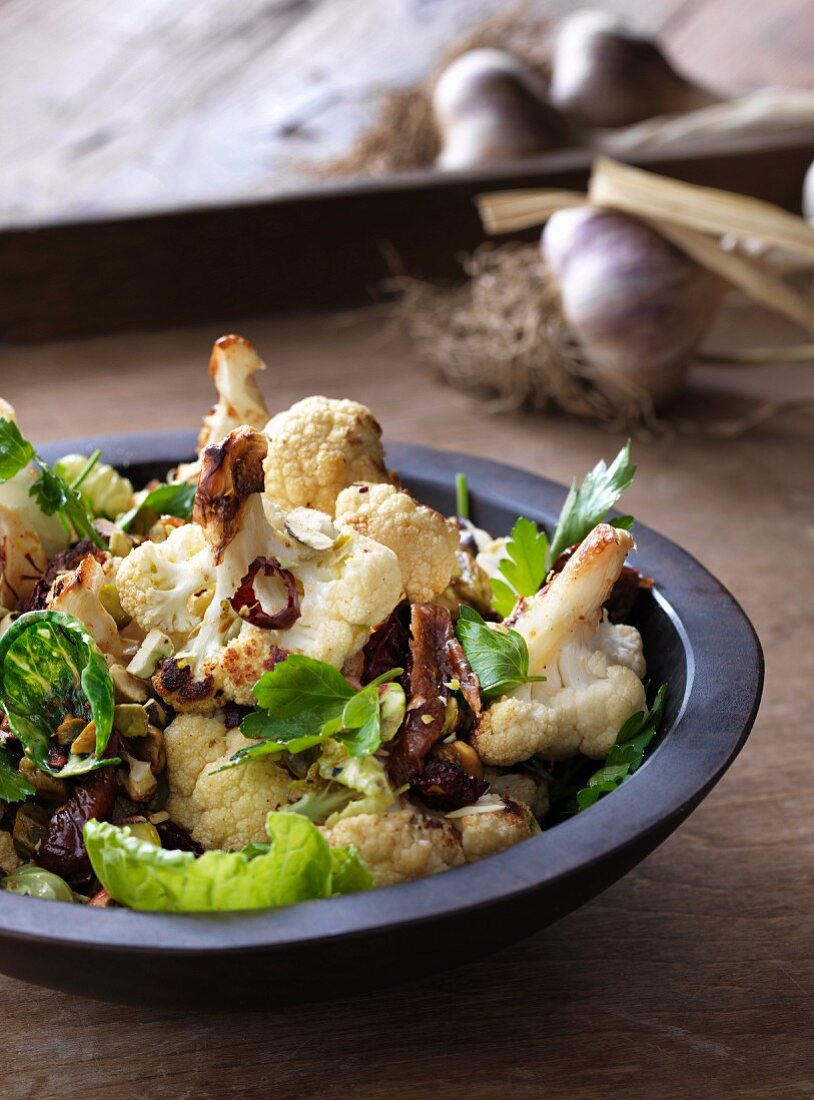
[325, 248]
[110, 108]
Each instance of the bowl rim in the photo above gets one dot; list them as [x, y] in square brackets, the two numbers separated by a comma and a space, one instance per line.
[723, 678]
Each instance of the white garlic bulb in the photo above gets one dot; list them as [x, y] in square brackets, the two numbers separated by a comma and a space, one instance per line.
[604, 74]
[637, 305]
[808, 194]
[489, 108]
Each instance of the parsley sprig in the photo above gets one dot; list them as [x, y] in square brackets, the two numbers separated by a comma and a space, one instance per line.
[53, 494]
[14, 787]
[302, 702]
[530, 555]
[499, 659]
[627, 753]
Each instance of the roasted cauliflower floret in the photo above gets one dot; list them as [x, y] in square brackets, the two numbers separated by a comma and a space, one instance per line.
[423, 541]
[77, 593]
[592, 668]
[28, 538]
[219, 809]
[400, 846]
[22, 558]
[255, 590]
[485, 834]
[233, 365]
[168, 584]
[519, 787]
[319, 447]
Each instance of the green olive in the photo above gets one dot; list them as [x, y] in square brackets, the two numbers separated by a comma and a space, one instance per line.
[37, 883]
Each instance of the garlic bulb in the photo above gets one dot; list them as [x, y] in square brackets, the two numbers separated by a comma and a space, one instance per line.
[638, 306]
[604, 74]
[808, 194]
[489, 108]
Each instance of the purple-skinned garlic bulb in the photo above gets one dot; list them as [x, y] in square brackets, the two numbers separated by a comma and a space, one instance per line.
[490, 109]
[638, 306]
[605, 74]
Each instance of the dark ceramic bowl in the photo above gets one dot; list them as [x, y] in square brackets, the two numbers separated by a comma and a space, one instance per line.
[696, 638]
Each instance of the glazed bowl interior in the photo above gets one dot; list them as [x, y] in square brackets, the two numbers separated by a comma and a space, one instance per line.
[696, 639]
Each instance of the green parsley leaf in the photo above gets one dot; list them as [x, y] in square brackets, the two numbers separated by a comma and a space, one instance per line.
[173, 499]
[15, 452]
[499, 660]
[53, 494]
[588, 505]
[303, 702]
[626, 754]
[525, 568]
[14, 787]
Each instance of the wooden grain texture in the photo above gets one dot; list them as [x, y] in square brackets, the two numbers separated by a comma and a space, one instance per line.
[327, 249]
[162, 103]
[694, 975]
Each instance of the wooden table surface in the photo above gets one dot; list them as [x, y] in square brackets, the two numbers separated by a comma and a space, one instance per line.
[117, 107]
[694, 975]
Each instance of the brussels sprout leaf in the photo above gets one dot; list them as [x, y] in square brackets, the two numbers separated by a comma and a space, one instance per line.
[51, 669]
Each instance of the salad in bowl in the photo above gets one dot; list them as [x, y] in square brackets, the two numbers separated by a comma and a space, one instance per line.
[276, 676]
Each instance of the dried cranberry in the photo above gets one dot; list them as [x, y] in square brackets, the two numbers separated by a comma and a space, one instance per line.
[175, 838]
[234, 714]
[445, 786]
[63, 849]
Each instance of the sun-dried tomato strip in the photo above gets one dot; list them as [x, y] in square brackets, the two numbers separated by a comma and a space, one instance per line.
[436, 660]
[247, 605]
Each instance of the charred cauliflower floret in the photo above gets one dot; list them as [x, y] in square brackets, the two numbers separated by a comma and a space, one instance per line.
[400, 846]
[486, 834]
[319, 447]
[519, 787]
[266, 583]
[592, 668]
[22, 558]
[219, 809]
[233, 365]
[423, 541]
[78, 594]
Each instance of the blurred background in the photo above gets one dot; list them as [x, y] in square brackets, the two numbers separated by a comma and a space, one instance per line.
[111, 107]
